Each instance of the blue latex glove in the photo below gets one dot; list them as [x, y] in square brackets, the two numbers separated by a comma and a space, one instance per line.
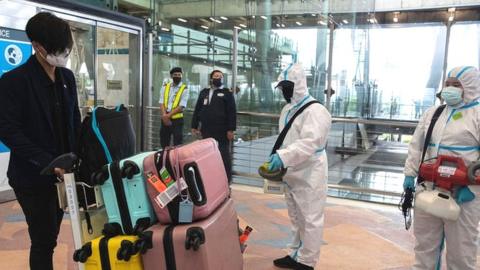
[464, 194]
[409, 182]
[275, 162]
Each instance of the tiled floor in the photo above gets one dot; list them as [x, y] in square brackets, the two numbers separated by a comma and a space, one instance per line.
[357, 235]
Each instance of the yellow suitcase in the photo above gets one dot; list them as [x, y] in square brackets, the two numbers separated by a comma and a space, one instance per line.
[114, 252]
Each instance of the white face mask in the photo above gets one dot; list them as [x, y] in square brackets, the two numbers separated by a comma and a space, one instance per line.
[58, 60]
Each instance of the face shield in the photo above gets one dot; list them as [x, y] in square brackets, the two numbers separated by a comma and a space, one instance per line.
[286, 87]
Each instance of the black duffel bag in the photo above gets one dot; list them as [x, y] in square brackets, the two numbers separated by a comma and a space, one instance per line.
[106, 135]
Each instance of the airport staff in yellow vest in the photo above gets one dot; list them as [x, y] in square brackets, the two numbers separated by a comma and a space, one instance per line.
[173, 100]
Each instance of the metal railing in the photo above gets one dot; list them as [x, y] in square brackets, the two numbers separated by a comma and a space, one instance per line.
[365, 156]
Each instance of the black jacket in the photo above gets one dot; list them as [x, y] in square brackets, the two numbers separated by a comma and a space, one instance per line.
[217, 116]
[26, 124]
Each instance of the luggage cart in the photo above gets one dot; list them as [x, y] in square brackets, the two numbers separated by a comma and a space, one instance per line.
[68, 201]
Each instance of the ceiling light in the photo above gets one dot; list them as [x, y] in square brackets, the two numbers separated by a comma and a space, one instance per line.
[263, 17]
[253, 16]
[313, 14]
[322, 22]
[395, 19]
[224, 18]
[345, 21]
[278, 25]
[182, 20]
[243, 25]
[215, 20]
[204, 27]
[283, 25]
[236, 27]
[298, 23]
[165, 29]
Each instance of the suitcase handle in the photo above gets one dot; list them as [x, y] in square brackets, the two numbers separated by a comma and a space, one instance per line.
[195, 237]
[199, 196]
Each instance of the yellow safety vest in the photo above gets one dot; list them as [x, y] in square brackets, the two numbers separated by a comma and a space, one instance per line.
[176, 101]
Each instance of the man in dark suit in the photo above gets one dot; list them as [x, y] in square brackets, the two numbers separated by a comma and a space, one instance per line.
[40, 120]
[215, 116]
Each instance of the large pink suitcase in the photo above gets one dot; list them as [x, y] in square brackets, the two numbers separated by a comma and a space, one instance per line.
[201, 165]
[210, 244]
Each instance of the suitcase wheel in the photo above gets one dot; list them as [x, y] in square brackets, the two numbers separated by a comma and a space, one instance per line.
[129, 169]
[126, 250]
[195, 238]
[144, 242]
[141, 246]
[81, 255]
[99, 178]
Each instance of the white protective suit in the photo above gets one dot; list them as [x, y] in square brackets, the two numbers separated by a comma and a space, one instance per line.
[456, 133]
[303, 154]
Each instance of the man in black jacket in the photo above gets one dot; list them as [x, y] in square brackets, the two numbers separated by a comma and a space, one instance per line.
[39, 120]
[215, 116]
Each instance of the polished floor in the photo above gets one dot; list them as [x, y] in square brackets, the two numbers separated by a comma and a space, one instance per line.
[357, 235]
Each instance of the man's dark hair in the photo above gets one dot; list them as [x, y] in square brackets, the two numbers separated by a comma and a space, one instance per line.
[176, 69]
[215, 71]
[50, 31]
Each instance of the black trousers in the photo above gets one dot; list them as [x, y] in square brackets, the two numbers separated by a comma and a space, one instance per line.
[166, 132]
[224, 147]
[44, 217]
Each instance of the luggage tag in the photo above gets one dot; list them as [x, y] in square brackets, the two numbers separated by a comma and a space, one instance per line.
[185, 213]
[166, 178]
[169, 194]
[155, 182]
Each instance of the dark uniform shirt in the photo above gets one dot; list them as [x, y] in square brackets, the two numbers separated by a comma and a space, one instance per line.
[215, 116]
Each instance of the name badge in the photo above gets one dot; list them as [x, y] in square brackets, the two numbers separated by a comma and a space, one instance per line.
[220, 94]
[205, 101]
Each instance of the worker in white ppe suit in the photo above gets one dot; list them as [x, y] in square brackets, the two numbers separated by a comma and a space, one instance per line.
[456, 133]
[303, 154]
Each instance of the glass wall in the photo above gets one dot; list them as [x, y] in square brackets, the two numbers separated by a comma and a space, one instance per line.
[464, 46]
[384, 63]
[390, 72]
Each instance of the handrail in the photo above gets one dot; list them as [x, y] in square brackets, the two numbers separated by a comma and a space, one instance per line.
[379, 122]
[340, 187]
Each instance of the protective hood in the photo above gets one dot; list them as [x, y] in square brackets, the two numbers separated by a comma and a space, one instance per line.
[469, 77]
[296, 74]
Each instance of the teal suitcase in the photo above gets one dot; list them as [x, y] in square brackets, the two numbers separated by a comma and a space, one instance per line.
[125, 194]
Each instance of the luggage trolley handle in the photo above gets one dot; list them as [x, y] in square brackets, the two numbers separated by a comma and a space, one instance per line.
[67, 161]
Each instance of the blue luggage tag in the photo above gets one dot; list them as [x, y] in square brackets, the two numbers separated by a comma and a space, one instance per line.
[185, 213]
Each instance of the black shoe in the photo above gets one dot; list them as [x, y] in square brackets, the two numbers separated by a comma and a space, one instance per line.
[301, 266]
[285, 262]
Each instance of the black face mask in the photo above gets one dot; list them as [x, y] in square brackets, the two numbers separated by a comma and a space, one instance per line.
[217, 82]
[287, 89]
[176, 80]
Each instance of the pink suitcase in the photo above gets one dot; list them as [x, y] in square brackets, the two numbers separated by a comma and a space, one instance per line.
[201, 165]
[210, 244]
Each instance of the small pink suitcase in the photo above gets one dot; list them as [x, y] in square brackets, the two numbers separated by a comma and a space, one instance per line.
[201, 165]
[210, 244]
